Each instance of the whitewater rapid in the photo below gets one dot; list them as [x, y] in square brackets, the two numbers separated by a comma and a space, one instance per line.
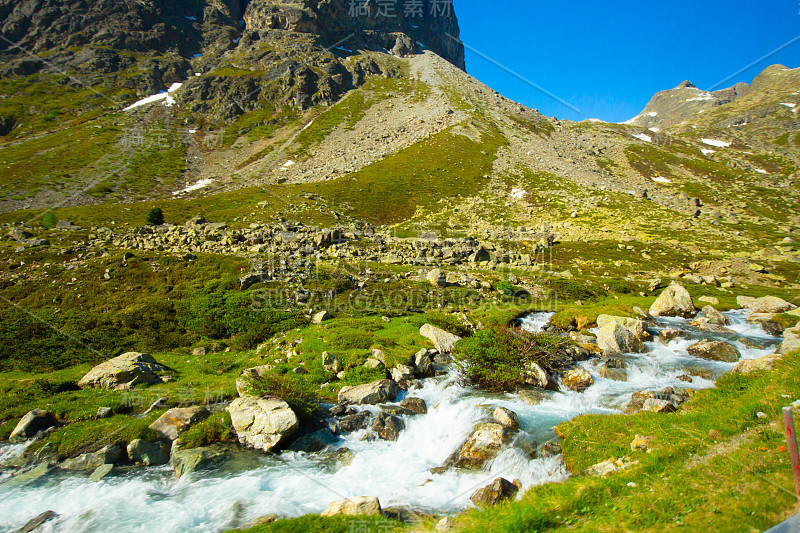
[398, 473]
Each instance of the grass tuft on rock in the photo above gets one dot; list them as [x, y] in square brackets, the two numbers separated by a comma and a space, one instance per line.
[497, 358]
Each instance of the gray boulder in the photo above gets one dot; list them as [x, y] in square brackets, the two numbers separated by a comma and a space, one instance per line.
[123, 372]
[358, 506]
[381, 391]
[615, 337]
[483, 444]
[675, 300]
[506, 418]
[417, 405]
[388, 427]
[441, 339]
[767, 304]
[177, 420]
[714, 351]
[263, 423]
[423, 365]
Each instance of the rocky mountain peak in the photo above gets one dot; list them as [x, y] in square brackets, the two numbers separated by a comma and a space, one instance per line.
[391, 26]
[686, 85]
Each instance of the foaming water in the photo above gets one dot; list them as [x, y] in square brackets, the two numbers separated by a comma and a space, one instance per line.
[398, 473]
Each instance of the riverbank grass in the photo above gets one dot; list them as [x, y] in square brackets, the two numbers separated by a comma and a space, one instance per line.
[714, 465]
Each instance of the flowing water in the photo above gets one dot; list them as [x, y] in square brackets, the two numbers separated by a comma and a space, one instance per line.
[398, 473]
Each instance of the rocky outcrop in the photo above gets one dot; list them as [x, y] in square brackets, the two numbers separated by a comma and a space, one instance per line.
[791, 340]
[714, 351]
[373, 26]
[32, 423]
[763, 363]
[483, 444]
[675, 300]
[263, 423]
[358, 506]
[124, 372]
[767, 304]
[500, 489]
[388, 427]
[381, 391]
[668, 108]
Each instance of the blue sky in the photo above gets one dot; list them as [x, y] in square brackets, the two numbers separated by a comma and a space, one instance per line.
[608, 58]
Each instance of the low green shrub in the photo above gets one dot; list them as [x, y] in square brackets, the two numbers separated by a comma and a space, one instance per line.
[214, 429]
[296, 390]
[496, 359]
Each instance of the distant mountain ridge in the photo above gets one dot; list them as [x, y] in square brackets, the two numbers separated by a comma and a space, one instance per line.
[668, 108]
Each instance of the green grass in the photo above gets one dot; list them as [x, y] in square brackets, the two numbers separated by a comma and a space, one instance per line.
[155, 168]
[141, 308]
[447, 165]
[333, 524]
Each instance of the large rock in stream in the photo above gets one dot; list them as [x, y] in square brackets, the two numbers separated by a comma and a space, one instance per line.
[483, 444]
[381, 391]
[621, 336]
[714, 351]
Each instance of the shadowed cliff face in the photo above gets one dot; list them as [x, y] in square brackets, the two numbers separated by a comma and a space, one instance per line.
[192, 27]
[395, 27]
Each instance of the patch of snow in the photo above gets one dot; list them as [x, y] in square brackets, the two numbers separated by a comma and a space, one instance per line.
[595, 120]
[644, 137]
[661, 179]
[789, 105]
[163, 95]
[652, 114]
[197, 186]
[707, 151]
[519, 194]
[631, 121]
[654, 129]
[192, 131]
[307, 125]
[703, 96]
[718, 144]
[761, 171]
[286, 165]
[198, 74]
